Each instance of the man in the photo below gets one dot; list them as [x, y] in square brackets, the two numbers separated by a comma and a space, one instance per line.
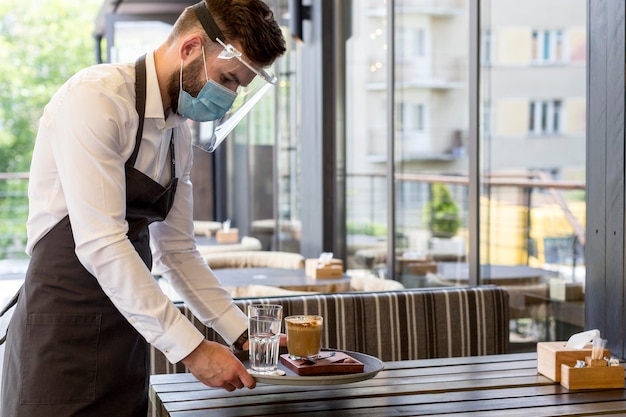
[113, 155]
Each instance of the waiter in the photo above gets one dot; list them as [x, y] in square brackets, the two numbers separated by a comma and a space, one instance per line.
[110, 193]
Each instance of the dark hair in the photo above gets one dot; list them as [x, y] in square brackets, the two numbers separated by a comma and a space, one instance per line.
[252, 24]
[249, 22]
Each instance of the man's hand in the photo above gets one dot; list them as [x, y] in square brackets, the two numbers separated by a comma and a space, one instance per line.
[216, 366]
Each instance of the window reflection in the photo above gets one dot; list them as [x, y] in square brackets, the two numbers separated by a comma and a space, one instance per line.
[532, 151]
[533, 161]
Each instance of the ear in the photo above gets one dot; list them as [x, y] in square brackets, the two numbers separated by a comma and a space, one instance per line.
[190, 47]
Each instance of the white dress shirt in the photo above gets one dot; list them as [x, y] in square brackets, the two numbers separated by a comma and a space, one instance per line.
[86, 135]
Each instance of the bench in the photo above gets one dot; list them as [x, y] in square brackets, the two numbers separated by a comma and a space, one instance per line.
[394, 325]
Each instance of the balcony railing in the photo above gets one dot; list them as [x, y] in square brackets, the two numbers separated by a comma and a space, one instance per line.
[14, 213]
[525, 218]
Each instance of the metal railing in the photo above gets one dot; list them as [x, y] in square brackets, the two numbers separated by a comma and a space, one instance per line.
[533, 211]
[13, 214]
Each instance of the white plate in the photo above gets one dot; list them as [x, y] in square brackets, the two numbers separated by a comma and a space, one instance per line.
[372, 366]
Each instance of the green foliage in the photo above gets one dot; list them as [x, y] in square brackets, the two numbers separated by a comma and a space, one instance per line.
[42, 43]
[442, 212]
[370, 229]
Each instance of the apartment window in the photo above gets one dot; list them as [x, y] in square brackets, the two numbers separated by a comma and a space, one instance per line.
[486, 118]
[545, 117]
[417, 116]
[410, 117]
[486, 47]
[547, 46]
[420, 42]
[410, 43]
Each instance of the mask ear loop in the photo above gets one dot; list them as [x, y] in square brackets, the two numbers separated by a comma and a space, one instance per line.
[181, 75]
[206, 73]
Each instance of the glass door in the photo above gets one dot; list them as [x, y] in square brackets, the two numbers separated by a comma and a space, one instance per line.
[532, 161]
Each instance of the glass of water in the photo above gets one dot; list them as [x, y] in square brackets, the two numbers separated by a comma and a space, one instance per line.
[264, 321]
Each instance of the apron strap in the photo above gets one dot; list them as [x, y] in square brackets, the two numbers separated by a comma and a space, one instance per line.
[140, 104]
[7, 307]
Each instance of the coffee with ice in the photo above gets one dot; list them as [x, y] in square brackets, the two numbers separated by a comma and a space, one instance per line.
[304, 335]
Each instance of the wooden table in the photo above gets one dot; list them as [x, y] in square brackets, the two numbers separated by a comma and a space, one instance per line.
[493, 274]
[484, 386]
[289, 279]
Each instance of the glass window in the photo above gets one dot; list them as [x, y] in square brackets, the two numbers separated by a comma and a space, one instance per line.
[533, 191]
[429, 136]
[547, 45]
[136, 37]
[486, 47]
[545, 117]
[263, 177]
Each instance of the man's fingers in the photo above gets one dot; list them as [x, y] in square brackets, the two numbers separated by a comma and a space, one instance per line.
[248, 380]
[238, 384]
[216, 366]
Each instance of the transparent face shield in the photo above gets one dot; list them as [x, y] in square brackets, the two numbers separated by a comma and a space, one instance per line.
[214, 133]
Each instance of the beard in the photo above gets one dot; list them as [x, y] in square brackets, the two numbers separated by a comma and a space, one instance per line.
[194, 80]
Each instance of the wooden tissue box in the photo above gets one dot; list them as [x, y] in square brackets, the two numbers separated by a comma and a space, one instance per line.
[566, 291]
[416, 266]
[334, 269]
[592, 377]
[230, 236]
[551, 355]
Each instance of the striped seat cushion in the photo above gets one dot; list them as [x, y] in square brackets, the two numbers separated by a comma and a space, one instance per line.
[395, 325]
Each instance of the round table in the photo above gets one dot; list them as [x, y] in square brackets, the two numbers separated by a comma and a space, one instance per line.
[492, 274]
[289, 279]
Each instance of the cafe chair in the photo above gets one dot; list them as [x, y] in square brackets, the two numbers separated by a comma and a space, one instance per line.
[262, 291]
[437, 280]
[205, 227]
[369, 282]
[370, 257]
[247, 244]
[530, 302]
[255, 259]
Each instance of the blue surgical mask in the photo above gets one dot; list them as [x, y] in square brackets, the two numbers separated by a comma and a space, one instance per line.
[213, 100]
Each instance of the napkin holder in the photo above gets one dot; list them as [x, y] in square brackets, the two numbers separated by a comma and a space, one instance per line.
[566, 291]
[227, 236]
[552, 355]
[596, 375]
[319, 270]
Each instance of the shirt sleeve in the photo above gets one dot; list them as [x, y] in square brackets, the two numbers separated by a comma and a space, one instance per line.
[91, 121]
[176, 258]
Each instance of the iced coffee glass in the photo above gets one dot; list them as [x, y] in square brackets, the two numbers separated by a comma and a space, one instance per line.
[264, 322]
[304, 335]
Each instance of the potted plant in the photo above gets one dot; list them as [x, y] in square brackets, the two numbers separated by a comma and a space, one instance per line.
[442, 212]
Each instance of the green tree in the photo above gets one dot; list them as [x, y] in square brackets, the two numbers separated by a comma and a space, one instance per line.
[442, 212]
[42, 43]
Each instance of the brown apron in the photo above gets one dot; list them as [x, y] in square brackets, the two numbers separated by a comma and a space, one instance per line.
[69, 351]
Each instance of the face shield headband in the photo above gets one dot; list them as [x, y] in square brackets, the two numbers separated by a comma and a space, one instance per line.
[247, 96]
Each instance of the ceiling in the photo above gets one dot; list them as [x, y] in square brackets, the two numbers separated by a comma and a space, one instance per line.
[139, 8]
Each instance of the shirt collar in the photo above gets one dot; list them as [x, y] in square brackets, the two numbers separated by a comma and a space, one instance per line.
[154, 102]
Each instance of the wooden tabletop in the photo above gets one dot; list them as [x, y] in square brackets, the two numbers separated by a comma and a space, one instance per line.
[483, 386]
